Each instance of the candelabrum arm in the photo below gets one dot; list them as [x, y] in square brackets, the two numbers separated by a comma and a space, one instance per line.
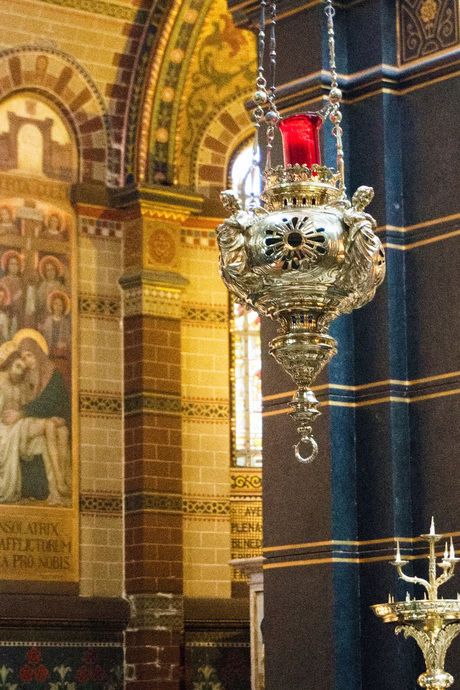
[414, 580]
[447, 574]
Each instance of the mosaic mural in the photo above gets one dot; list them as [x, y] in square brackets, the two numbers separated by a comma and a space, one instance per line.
[192, 86]
[34, 140]
[35, 353]
[35, 349]
[222, 68]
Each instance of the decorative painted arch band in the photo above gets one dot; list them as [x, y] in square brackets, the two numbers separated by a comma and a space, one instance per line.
[61, 79]
[228, 129]
[166, 77]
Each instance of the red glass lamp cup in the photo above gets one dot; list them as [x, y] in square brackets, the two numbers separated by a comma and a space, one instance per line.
[300, 135]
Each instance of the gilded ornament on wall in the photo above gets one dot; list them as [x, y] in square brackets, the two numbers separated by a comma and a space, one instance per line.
[428, 11]
[161, 246]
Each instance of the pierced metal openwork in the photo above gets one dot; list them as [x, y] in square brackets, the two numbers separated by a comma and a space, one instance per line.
[294, 241]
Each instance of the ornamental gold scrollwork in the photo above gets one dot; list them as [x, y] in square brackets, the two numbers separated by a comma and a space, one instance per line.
[426, 27]
[247, 482]
[434, 653]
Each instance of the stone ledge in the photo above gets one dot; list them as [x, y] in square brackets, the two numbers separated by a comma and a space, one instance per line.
[99, 614]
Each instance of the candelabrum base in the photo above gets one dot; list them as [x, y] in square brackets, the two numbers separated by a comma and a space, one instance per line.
[435, 680]
[432, 622]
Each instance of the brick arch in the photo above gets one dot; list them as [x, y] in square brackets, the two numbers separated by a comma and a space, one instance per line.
[61, 79]
[229, 128]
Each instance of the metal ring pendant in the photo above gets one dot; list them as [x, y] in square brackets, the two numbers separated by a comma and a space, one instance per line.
[314, 450]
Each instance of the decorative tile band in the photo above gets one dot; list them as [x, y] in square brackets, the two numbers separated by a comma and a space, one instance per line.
[159, 302]
[109, 9]
[152, 301]
[149, 501]
[246, 482]
[103, 504]
[224, 638]
[102, 307]
[47, 665]
[105, 229]
[157, 612]
[217, 644]
[152, 402]
[94, 403]
[11, 185]
[204, 410]
[200, 239]
[175, 502]
[204, 314]
[58, 643]
[206, 506]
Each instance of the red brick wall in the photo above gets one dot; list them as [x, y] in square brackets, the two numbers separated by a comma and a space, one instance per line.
[157, 658]
[153, 488]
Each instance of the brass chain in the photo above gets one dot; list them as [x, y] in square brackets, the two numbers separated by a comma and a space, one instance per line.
[260, 98]
[272, 116]
[265, 96]
[335, 95]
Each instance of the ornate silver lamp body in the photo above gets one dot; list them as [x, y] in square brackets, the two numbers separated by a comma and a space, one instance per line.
[305, 257]
[432, 622]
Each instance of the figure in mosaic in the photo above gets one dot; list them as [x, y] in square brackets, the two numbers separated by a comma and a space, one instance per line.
[34, 423]
[12, 280]
[7, 224]
[51, 273]
[5, 319]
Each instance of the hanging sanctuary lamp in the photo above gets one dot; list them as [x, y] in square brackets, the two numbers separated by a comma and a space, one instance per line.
[303, 253]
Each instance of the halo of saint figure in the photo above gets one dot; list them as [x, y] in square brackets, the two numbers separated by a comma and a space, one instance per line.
[35, 356]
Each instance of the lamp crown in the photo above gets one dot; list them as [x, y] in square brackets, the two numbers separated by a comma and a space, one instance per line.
[300, 186]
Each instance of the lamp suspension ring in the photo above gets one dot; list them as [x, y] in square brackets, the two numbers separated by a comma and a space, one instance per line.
[313, 453]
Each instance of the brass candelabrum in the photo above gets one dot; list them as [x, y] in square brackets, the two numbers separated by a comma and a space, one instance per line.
[433, 622]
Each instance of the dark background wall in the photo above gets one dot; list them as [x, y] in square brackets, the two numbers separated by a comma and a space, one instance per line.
[388, 434]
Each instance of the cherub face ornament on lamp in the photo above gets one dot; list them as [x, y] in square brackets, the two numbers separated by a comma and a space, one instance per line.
[304, 257]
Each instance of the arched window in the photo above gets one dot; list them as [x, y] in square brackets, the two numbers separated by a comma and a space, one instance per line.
[246, 385]
[245, 340]
[245, 179]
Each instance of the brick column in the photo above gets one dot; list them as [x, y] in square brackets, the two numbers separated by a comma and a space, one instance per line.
[152, 288]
